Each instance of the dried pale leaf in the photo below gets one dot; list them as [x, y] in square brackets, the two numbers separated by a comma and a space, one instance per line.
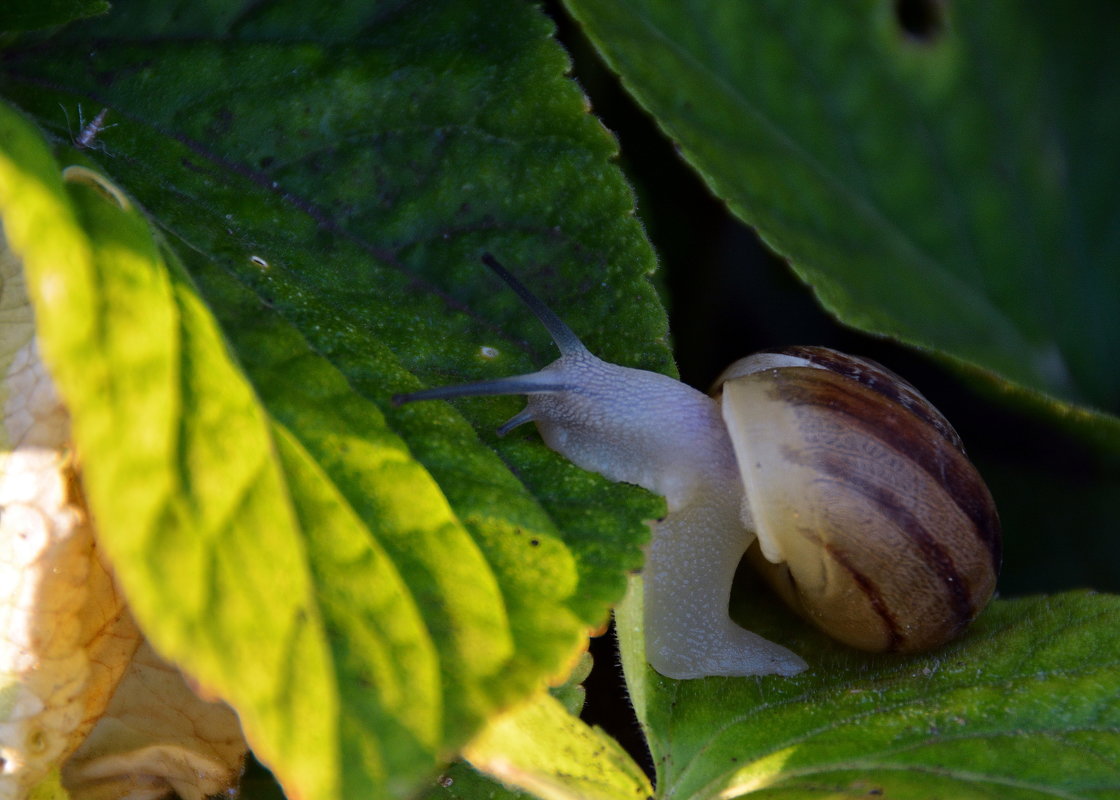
[65, 633]
[157, 736]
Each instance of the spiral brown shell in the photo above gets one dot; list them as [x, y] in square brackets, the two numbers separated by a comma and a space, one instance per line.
[872, 522]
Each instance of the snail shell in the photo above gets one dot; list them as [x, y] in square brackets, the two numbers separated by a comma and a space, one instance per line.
[871, 521]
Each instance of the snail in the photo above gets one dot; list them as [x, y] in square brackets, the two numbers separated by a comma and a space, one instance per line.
[870, 520]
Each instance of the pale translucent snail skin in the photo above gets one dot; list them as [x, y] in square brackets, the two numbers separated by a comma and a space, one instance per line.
[602, 422]
[645, 428]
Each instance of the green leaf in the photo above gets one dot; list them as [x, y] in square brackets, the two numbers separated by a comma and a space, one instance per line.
[29, 15]
[461, 781]
[1023, 706]
[540, 747]
[366, 585]
[571, 693]
[953, 191]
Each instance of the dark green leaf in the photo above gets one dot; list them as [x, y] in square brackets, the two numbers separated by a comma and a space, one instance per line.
[29, 15]
[951, 186]
[460, 781]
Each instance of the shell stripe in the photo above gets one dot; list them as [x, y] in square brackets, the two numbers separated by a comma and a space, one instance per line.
[874, 376]
[875, 597]
[946, 465]
[893, 507]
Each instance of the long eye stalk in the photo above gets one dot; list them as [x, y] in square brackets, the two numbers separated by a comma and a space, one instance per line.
[534, 383]
[517, 384]
[565, 338]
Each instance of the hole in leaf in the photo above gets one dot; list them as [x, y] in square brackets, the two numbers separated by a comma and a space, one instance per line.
[923, 20]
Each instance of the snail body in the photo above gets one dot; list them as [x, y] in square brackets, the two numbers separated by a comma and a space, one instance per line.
[869, 519]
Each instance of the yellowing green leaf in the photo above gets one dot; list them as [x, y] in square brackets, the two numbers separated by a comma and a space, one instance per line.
[365, 585]
[541, 748]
